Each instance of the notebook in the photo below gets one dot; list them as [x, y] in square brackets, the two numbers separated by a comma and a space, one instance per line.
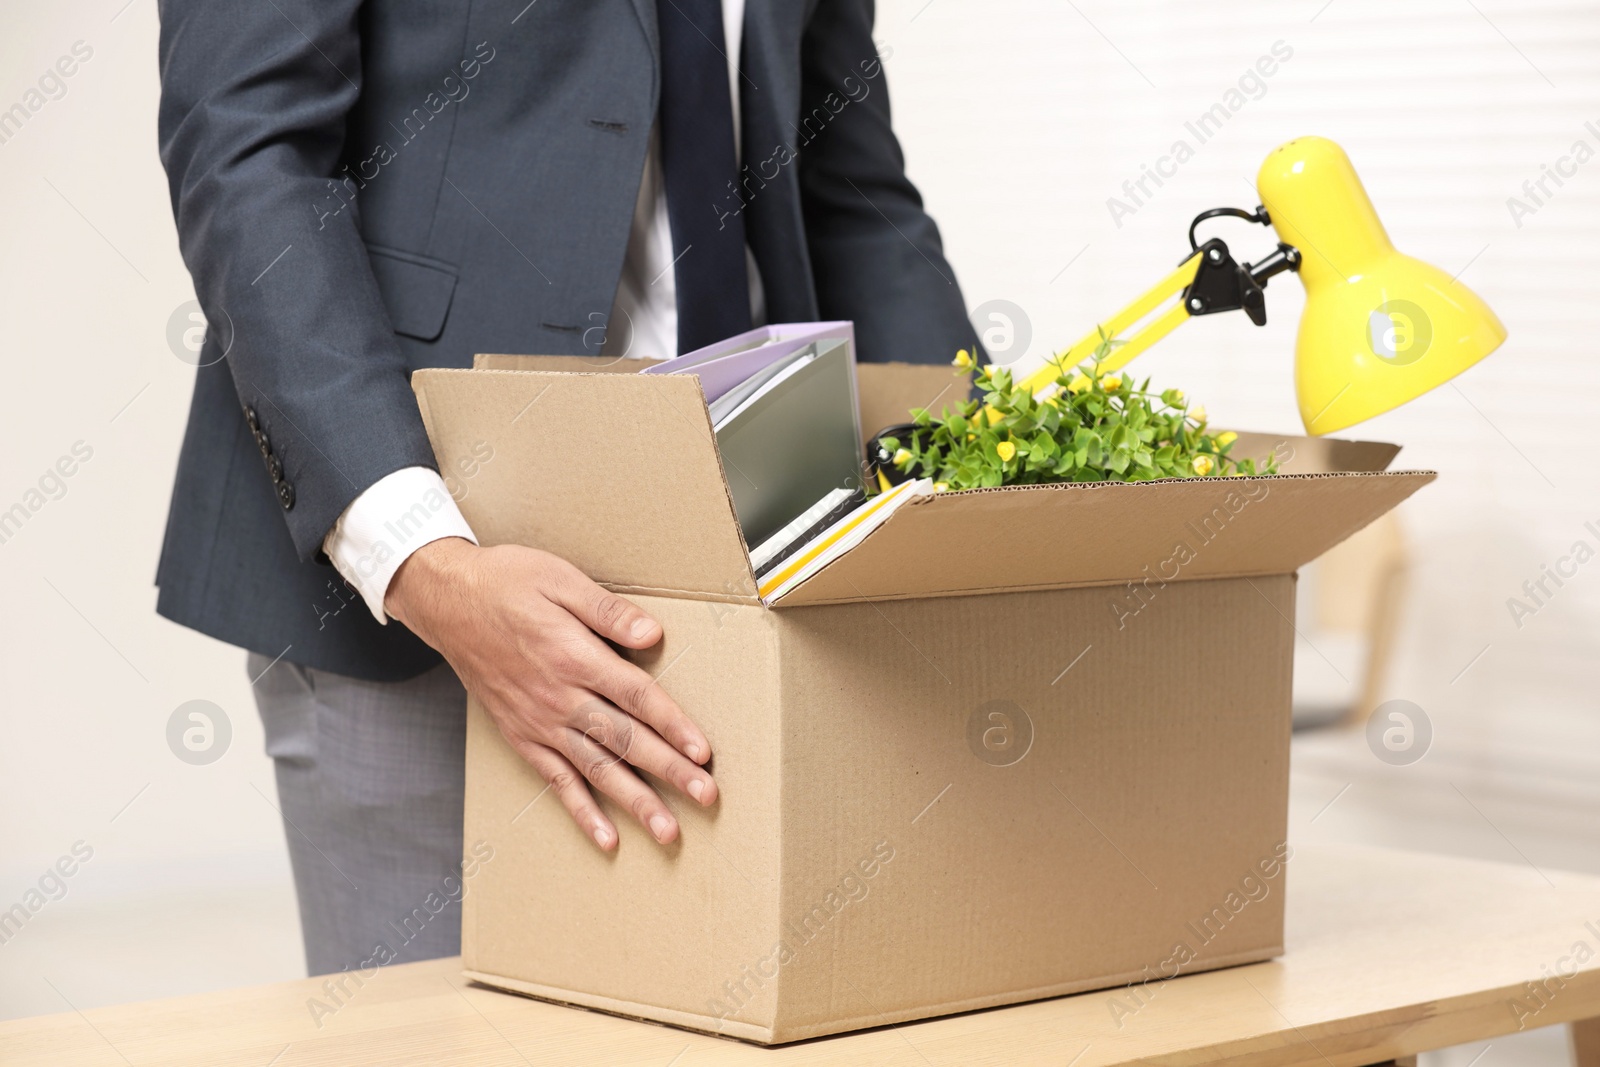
[814, 551]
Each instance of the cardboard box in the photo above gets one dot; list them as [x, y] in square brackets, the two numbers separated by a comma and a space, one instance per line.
[1019, 743]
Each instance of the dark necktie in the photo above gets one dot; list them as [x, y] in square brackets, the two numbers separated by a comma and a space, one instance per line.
[695, 125]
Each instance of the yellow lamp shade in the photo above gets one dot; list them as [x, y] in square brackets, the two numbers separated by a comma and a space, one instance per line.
[1379, 327]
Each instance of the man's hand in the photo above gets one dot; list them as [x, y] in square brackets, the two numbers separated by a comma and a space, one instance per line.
[523, 630]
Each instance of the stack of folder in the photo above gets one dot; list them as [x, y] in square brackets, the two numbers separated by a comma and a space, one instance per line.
[788, 426]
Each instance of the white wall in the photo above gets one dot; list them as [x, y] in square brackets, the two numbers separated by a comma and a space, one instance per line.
[1020, 119]
[89, 274]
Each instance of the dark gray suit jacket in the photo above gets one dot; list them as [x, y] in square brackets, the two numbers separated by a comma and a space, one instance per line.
[366, 187]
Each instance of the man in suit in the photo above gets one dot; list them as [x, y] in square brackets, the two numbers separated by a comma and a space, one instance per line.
[366, 187]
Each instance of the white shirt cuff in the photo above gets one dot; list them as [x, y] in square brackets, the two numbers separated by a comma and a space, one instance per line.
[395, 516]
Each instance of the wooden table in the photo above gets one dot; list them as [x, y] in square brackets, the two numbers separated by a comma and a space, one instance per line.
[1389, 954]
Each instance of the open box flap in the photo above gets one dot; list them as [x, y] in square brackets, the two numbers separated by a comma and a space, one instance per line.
[1056, 536]
[889, 391]
[1315, 455]
[618, 473]
[642, 503]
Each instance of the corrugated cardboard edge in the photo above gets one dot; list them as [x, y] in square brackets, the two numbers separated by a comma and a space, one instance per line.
[1090, 487]
[997, 590]
[791, 601]
[779, 1035]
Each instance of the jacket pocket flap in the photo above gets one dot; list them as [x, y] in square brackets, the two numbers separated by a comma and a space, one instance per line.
[416, 290]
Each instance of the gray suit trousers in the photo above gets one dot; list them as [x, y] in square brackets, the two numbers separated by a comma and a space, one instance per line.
[370, 779]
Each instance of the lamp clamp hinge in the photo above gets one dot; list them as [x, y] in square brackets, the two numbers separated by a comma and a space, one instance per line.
[1221, 283]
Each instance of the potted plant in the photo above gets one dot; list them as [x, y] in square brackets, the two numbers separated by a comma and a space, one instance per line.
[1087, 427]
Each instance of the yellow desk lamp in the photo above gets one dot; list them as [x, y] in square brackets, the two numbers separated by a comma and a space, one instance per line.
[1379, 327]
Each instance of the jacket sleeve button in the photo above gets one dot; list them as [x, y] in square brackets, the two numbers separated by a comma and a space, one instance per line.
[275, 468]
[286, 495]
[251, 420]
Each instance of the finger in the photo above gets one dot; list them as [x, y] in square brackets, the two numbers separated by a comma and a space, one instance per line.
[604, 612]
[607, 772]
[630, 687]
[615, 730]
[568, 785]
[596, 667]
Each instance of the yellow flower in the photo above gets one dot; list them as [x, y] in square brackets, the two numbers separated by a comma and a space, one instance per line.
[996, 416]
[1079, 384]
[1177, 396]
[1007, 450]
[963, 360]
[988, 370]
[902, 458]
[1203, 465]
[1111, 382]
[940, 487]
[1226, 438]
[1198, 413]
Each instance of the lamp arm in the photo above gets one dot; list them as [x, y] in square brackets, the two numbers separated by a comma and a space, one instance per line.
[1210, 281]
[1147, 335]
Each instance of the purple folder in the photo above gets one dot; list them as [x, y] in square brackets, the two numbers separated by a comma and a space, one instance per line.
[725, 364]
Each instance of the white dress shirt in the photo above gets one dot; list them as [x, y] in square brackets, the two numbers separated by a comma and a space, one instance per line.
[401, 512]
